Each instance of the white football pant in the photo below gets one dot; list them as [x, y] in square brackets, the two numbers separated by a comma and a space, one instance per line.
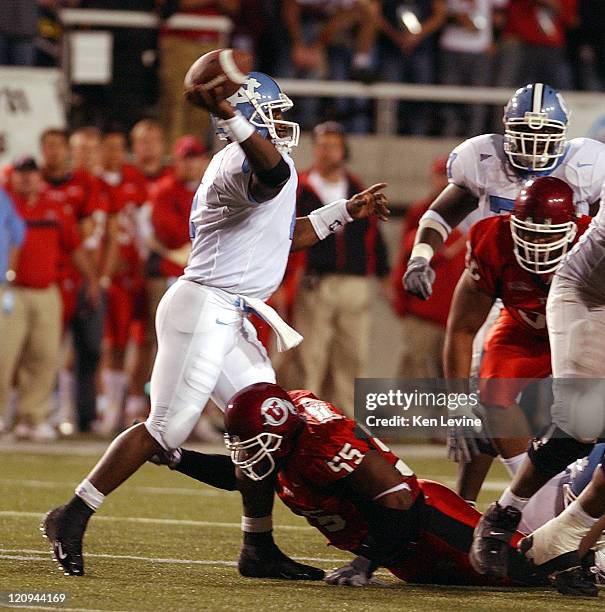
[206, 348]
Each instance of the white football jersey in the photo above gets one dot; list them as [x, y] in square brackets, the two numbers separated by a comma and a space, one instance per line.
[239, 245]
[480, 165]
[585, 263]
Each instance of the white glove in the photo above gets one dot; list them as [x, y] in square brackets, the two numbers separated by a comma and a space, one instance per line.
[357, 573]
[419, 277]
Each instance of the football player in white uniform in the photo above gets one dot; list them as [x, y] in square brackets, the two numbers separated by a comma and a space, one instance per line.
[243, 226]
[487, 172]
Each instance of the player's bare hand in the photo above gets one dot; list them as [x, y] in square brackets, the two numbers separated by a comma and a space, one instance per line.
[357, 573]
[210, 99]
[370, 201]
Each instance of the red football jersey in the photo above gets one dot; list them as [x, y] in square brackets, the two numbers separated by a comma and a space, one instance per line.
[77, 195]
[330, 447]
[491, 262]
[125, 193]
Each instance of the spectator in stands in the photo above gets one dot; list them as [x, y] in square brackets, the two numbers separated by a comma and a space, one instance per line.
[125, 189]
[467, 47]
[533, 43]
[586, 46]
[407, 52]
[333, 305]
[30, 324]
[179, 48]
[78, 195]
[171, 199]
[148, 148]
[85, 150]
[18, 27]
[423, 322]
[318, 45]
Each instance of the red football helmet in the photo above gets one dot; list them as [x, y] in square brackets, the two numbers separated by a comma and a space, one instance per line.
[543, 224]
[261, 423]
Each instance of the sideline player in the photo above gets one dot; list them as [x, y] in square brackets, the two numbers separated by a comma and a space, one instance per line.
[243, 226]
[511, 257]
[349, 486]
[486, 173]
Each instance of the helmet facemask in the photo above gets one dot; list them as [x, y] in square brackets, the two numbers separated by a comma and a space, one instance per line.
[534, 142]
[284, 134]
[255, 455]
[541, 257]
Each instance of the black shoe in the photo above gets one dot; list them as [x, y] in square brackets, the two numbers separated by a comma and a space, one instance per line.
[65, 530]
[569, 574]
[491, 540]
[575, 582]
[271, 562]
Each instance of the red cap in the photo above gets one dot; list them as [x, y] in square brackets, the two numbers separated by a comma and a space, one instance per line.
[439, 166]
[189, 146]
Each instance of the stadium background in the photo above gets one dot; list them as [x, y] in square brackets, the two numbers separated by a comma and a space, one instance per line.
[104, 64]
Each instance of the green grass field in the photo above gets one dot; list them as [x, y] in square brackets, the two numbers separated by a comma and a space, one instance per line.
[165, 542]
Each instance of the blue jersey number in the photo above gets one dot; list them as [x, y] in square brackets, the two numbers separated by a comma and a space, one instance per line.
[498, 205]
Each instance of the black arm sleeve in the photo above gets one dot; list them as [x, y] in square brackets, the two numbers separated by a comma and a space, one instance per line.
[276, 176]
[216, 470]
[390, 531]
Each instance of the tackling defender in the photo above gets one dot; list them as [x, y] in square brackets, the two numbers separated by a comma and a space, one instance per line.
[349, 486]
[243, 226]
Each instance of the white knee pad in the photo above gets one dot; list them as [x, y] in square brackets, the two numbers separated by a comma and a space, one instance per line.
[586, 347]
[579, 407]
[170, 428]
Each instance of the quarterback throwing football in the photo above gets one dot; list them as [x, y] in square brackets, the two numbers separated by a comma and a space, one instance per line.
[243, 226]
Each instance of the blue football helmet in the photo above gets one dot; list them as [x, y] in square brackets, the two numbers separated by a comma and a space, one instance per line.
[257, 99]
[535, 127]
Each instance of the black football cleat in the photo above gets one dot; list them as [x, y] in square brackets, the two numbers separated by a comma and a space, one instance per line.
[569, 574]
[271, 562]
[491, 540]
[65, 530]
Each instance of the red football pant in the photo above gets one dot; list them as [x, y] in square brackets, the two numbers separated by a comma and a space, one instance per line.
[441, 554]
[512, 357]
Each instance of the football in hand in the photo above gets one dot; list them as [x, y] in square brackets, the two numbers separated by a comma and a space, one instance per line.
[220, 73]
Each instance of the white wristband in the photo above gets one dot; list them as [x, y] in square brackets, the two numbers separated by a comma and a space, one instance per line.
[423, 250]
[330, 218]
[237, 128]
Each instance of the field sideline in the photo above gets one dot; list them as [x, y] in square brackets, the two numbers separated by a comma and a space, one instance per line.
[164, 542]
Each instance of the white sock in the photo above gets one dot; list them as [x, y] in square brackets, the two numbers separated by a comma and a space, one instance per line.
[508, 498]
[512, 464]
[136, 406]
[115, 384]
[66, 392]
[257, 525]
[90, 495]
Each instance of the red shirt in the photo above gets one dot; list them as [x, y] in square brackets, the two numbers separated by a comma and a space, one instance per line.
[124, 198]
[492, 264]
[448, 264]
[77, 195]
[170, 208]
[329, 448]
[49, 235]
[538, 25]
